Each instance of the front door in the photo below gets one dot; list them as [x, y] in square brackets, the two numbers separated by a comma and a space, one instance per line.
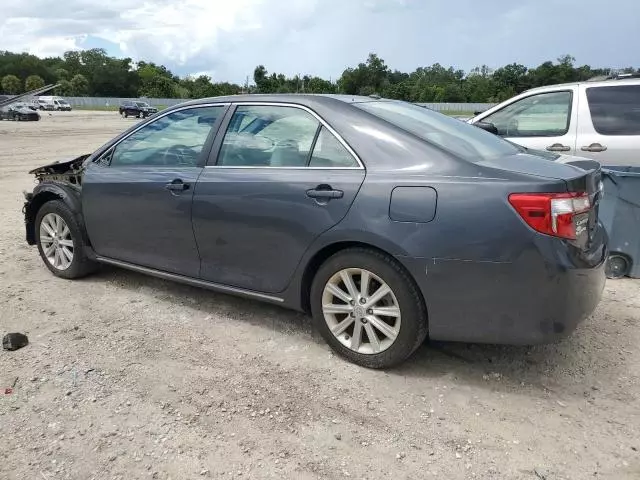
[542, 121]
[137, 199]
[281, 179]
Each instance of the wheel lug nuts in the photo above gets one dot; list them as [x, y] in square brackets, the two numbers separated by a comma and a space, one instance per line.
[363, 320]
[370, 312]
[352, 303]
[352, 314]
[363, 300]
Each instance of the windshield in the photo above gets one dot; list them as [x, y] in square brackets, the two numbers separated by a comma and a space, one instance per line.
[464, 140]
[141, 104]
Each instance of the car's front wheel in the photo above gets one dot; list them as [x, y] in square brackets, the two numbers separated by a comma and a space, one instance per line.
[60, 241]
[368, 308]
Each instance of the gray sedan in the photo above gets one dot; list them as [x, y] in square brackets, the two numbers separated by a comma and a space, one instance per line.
[385, 221]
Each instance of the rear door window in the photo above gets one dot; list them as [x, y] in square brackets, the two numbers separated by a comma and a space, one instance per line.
[615, 110]
[328, 152]
[268, 136]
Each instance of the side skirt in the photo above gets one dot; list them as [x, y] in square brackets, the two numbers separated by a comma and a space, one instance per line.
[191, 281]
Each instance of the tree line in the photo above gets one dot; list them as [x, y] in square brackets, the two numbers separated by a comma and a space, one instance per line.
[94, 73]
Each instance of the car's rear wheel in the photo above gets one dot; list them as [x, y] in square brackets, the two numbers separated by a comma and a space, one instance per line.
[60, 241]
[368, 308]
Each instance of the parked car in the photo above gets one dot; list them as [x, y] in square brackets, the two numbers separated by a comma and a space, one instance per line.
[598, 120]
[46, 104]
[19, 111]
[386, 221]
[61, 105]
[136, 109]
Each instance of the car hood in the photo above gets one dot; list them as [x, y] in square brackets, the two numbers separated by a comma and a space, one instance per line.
[75, 165]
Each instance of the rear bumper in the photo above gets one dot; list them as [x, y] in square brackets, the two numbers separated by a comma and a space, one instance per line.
[538, 298]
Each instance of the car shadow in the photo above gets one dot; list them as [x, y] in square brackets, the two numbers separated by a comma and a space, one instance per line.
[541, 367]
[210, 302]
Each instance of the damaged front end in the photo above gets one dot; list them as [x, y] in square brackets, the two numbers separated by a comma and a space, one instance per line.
[55, 181]
[69, 172]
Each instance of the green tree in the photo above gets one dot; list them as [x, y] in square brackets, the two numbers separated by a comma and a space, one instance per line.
[513, 78]
[64, 88]
[62, 74]
[159, 87]
[79, 85]
[32, 82]
[93, 72]
[11, 84]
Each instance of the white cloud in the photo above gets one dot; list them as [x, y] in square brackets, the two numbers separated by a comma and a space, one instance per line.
[228, 38]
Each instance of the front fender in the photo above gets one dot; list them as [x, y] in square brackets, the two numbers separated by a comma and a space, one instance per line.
[45, 192]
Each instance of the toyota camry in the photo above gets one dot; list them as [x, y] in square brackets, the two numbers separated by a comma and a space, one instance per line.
[387, 222]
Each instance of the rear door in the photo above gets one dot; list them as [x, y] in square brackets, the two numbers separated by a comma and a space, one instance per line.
[278, 179]
[609, 124]
[542, 121]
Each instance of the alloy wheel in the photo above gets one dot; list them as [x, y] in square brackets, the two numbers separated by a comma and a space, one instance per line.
[56, 241]
[361, 310]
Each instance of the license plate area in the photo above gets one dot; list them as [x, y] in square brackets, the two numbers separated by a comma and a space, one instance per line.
[581, 224]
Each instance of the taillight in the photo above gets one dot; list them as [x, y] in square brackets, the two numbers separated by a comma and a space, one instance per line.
[551, 213]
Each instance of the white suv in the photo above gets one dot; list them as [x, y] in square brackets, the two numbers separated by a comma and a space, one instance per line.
[594, 119]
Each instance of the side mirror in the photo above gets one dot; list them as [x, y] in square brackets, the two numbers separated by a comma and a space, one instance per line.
[478, 112]
[489, 127]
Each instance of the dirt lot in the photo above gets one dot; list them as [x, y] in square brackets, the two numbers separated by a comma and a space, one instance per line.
[129, 377]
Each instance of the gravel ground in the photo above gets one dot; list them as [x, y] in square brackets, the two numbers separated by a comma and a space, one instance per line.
[129, 377]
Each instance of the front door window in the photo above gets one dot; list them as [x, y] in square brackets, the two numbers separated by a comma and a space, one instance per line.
[175, 139]
[542, 115]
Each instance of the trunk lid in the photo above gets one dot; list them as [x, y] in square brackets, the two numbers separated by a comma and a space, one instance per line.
[580, 175]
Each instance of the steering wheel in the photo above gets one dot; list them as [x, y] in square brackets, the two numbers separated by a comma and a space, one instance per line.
[185, 155]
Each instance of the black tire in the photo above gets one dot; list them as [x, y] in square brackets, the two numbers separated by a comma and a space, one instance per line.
[126, 115]
[618, 266]
[81, 265]
[413, 327]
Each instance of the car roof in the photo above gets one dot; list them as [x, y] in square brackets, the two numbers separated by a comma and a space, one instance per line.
[590, 83]
[297, 98]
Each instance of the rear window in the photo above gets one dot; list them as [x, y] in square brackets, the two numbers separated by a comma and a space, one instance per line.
[615, 110]
[463, 140]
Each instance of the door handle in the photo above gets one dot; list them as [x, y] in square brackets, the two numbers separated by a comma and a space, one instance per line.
[324, 192]
[594, 147]
[558, 147]
[177, 185]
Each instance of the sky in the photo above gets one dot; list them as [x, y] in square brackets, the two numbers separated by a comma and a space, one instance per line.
[227, 39]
